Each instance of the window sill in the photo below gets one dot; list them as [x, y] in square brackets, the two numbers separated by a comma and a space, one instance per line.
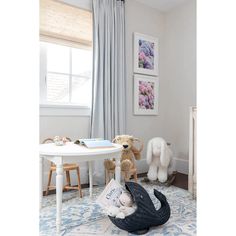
[64, 110]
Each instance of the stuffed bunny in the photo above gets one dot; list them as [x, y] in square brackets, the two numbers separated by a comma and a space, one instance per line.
[158, 158]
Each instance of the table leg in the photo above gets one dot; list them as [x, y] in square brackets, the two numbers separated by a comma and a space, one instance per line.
[40, 182]
[117, 170]
[90, 178]
[59, 186]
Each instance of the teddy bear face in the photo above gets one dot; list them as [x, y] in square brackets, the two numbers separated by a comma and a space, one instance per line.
[125, 140]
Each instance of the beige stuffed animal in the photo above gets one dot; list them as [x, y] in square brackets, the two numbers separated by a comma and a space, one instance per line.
[128, 154]
[124, 207]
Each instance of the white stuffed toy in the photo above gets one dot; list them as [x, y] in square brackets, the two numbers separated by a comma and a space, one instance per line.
[124, 207]
[158, 158]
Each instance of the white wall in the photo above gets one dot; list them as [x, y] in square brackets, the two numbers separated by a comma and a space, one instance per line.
[177, 74]
[143, 19]
[176, 32]
[70, 126]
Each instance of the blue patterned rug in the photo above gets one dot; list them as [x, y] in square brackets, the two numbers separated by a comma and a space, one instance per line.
[85, 217]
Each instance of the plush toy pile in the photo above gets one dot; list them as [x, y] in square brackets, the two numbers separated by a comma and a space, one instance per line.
[124, 206]
[116, 200]
[146, 215]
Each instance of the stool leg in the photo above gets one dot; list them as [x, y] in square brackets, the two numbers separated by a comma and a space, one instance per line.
[111, 175]
[126, 176]
[107, 176]
[79, 184]
[49, 181]
[68, 178]
[135, 177]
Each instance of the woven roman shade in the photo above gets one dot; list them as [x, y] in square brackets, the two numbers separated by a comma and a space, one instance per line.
[65, 24]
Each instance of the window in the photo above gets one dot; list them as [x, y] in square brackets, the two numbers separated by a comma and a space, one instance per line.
[65, 75]
[65, 57]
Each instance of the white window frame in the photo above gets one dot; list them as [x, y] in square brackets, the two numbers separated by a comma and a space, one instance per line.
[56, 109]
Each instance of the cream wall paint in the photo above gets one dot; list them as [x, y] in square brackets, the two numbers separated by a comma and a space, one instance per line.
[74, 127]
[143, 19]
[70, 126]
[176, 32]
[177, 74]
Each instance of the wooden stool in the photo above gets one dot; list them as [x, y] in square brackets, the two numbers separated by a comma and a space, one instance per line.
[126, 174]
[67, 168]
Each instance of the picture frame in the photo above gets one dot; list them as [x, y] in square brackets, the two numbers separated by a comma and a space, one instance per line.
[146, 91]
[146, 54]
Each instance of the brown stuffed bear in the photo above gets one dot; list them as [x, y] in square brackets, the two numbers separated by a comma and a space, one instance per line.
[129, 152]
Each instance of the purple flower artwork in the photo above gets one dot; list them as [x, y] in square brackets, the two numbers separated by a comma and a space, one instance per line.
[146, 54]
[146, 95]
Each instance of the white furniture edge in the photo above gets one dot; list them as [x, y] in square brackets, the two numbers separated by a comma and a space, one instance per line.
[72, 153]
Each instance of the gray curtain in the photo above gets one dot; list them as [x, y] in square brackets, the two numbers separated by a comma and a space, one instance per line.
[109, 74]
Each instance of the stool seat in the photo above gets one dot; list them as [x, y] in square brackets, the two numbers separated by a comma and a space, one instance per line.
[66, 167]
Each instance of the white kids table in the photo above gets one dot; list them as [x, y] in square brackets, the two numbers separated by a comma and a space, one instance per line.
[72, 153]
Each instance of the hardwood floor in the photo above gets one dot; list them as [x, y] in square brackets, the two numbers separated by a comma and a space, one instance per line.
[181, 181]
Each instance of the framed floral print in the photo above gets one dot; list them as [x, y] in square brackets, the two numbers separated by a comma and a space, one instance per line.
[145, 54]
[145, 95]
